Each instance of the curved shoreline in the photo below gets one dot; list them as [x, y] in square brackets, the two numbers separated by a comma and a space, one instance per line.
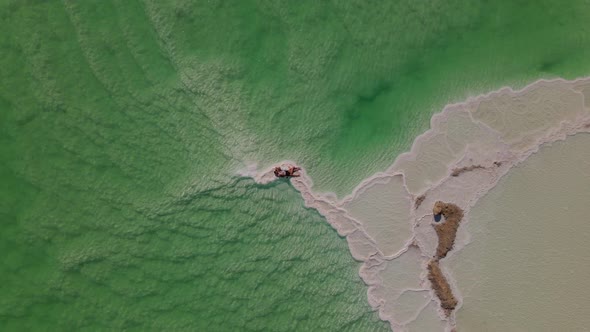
[473, 168]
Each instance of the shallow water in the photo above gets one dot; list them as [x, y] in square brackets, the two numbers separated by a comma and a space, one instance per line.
[123, 123]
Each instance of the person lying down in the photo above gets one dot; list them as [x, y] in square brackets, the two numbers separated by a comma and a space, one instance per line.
[284, 171]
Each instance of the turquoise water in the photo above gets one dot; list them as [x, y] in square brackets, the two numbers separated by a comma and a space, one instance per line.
[123, 123]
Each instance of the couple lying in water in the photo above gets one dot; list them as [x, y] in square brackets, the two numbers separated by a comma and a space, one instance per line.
[287, 171]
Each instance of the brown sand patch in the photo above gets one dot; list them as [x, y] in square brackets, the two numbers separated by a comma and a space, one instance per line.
[419, 201]
[458, 171]
[441, 287]
[447, 230]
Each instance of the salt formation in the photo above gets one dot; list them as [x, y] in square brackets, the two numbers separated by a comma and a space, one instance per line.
[387, 219]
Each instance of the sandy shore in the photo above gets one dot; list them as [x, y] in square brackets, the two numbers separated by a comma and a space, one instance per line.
[388, 218]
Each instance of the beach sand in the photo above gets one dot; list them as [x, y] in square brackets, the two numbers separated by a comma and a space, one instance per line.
[526, 265]
[389, 222]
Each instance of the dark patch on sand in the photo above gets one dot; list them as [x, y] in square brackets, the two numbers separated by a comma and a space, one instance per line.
[446, 233]
[441, 287]
[447, 230]
[419, 201]
[458, 171]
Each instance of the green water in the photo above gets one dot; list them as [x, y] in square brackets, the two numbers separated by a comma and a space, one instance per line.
[122, 124]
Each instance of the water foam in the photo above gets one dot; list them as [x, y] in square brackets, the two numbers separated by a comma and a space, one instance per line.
[387, 219]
